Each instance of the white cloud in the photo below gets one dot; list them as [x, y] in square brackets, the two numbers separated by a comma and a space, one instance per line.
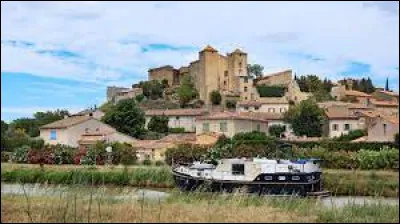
[338, 32]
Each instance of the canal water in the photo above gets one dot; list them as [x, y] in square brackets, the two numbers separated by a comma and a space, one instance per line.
[129, 193]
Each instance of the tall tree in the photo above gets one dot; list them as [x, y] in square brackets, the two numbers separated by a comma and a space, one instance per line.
[43, 118]
[28, 125]
[186, 91]
[255, 70]
[215, 97]
[126, 117]
[387, 84]
[370, 86]
[158, 124]
[4, 127]
[306, 118]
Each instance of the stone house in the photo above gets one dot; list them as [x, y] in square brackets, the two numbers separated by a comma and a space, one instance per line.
[272, 105]
[229, 123]
[340, 122]
[73, 131]
[178, 118]
[383, 129]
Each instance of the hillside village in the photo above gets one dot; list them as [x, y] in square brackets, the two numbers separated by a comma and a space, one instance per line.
[247, 103]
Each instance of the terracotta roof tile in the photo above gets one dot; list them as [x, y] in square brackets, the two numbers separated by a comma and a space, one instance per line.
[230, 116]
[356, 93]
[335, 115]
[67, 122]
[384, 103]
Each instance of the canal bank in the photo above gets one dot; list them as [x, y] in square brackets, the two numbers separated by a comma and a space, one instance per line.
[339, 182]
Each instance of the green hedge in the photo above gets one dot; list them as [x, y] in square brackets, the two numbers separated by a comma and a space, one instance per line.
[352, 135]
[270, 91]
[347, 146]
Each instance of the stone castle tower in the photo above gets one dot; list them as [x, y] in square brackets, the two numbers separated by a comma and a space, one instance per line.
[212, 71]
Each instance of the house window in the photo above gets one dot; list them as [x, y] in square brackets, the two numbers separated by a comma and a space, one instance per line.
[223, 126]
[97, 129]
[246, 107]
[256, 107]
[86, 130]
[346, 127]
[237, 169]
[384, 129]
[225, 83]
[272, 110]
[246, 79]
[53, 135]
[282, 110]
[245, 89]
[240, 64]
[258, 127]
[226, 73]
[335, 127]
[206, 127]
[177, 118]
[245, 98]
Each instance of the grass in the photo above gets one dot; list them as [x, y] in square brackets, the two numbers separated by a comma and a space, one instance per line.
[340, 182]
[73, 206]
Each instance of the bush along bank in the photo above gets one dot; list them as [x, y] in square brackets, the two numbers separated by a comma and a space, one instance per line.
[365, 183]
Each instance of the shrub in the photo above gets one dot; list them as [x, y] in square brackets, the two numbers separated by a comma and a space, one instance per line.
[63, 154]
[176, 130]
[185, 153]
[347, 146]
[352, 135]
[20, 154]
[139, 98]
[147, 162]
[159, 163]
[151, 135]
[270, 91]
[36, 143]
[5, 156]
[250, 136]
[158, 124]
[127, 154]
[276, 130]
[79, 154]
[215, 97]
[45, 156]
[384, 159]
[230, 104]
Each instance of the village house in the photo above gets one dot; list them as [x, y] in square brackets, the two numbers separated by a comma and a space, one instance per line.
[275, 105]
[340, 93]
[388, 108]
[229, 123]
[383, 129]
[341, 122]
[81, 130]
[178, 118]
[155, 149]
[115, 94]
[383, 95]
[273, 119]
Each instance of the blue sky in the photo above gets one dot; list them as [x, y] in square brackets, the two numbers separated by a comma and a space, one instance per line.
[64, 54]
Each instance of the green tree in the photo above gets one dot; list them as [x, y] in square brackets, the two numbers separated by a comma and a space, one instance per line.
[164, 83]
[126, 117]
[255, 70]
[28, 125]
[4, 128]
[106, 107]
[230, 104]
[48, 117]
[158, 124]
[276, 130]
[153, 89]
[305, 118]
[370, 87]
[139, 98]
[215, 97]
[186, 91]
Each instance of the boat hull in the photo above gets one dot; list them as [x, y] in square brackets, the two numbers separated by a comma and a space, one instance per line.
[301, 187]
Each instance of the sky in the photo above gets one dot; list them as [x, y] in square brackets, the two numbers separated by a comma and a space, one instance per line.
[63, 55]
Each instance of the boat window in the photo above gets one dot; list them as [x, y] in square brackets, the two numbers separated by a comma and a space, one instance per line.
[238, 169]
[295, 178]
[281, 178]
[268, 178]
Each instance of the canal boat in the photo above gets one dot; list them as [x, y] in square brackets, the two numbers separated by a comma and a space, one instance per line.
[252, 175]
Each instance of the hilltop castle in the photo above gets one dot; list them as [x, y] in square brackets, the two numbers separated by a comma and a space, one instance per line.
[212, 71]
